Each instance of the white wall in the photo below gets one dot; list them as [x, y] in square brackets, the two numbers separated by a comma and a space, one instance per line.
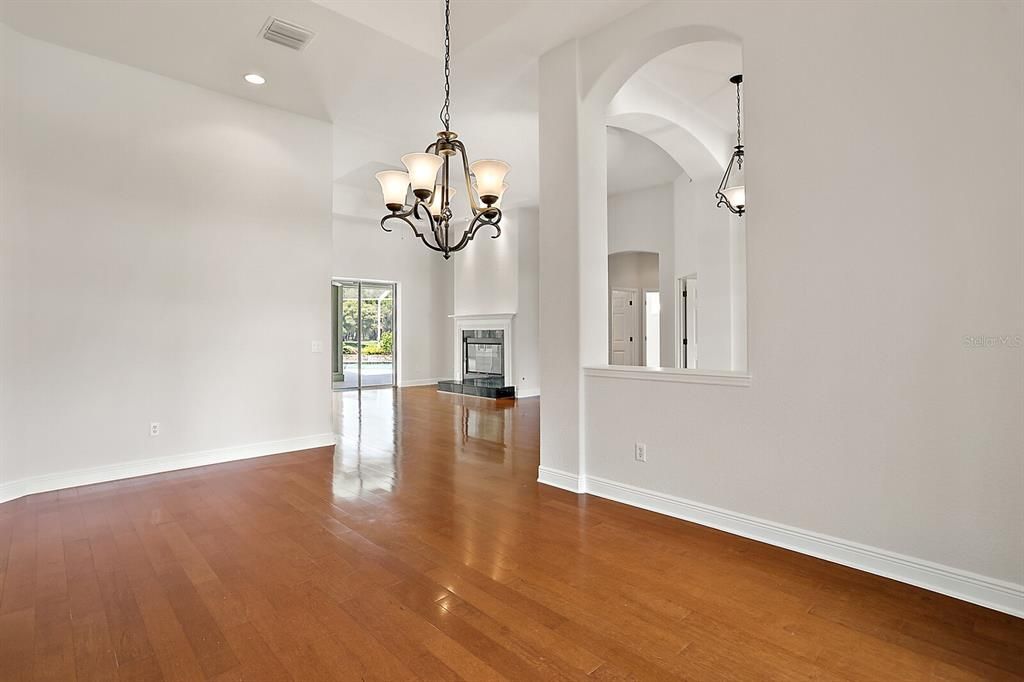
[362, 250]
[486, 271]
[633, 270]
[7, 190]
[885, 226]
[642, 220]
[165, 253]
[526, 327]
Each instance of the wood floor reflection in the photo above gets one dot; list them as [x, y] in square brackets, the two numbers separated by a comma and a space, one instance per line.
[421, 547]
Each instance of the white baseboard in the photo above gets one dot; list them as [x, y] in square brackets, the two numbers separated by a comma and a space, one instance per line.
[157, 465]
[559, 479]
[527, 392]
[419, 382]
[978, 589]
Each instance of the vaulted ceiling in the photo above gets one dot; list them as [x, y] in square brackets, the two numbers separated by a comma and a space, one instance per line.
[373, 67]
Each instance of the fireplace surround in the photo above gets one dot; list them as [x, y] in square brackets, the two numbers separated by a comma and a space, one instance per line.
[483, 356]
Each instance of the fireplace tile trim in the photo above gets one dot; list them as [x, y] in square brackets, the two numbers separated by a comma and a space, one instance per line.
[502, 321]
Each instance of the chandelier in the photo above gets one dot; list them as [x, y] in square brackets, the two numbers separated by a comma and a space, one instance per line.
[429, 212]
[731, 192]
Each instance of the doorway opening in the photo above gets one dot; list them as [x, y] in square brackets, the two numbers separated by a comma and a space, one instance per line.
[652, 328]
[635, 313]
[363, 338]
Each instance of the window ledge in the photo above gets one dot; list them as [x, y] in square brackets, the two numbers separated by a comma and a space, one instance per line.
[679, 376]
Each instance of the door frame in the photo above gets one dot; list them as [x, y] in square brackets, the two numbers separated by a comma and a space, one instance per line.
[643, 324]
[336, 300]
[686, 321]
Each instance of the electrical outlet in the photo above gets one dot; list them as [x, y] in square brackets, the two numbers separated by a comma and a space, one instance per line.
[318, 346]
[154, 429]
[640, 452]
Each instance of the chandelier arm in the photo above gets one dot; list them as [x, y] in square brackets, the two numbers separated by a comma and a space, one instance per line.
[446, 211]
[404, 217]
[466, 237]
[490, 217]
[465, 171]
[435, 227]
[720, 194]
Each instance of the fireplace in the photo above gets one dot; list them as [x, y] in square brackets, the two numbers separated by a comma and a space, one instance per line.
[483, 354]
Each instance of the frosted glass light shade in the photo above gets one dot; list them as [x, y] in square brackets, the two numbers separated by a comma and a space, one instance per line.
[736, 195]
[394, 184]
[435, 201]
[497, 202]
[490, 176]
[423, 169]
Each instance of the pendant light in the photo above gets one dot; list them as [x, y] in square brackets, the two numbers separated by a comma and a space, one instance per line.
[732, 192]
[430, 206]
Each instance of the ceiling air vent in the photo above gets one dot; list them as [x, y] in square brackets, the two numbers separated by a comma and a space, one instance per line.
[284, 33]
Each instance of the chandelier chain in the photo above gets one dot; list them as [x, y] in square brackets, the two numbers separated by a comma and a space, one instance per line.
[446, 117]
[739, 139]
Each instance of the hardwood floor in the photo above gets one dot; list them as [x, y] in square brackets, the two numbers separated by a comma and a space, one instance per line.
[423, 548]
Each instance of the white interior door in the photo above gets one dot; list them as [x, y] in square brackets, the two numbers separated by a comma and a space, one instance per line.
[621, 349]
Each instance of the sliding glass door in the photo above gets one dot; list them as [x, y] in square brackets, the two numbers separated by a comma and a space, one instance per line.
[364, 334]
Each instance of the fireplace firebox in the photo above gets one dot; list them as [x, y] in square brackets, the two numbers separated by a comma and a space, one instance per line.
[483, 366]
[483, 354]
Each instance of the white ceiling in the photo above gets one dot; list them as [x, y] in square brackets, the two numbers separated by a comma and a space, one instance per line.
[373, 67]
[635, 162]
[698, 74]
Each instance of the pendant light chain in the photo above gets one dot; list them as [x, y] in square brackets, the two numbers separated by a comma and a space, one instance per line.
[446, 117]
[739, 139]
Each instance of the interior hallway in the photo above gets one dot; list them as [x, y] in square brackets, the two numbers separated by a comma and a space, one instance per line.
[422, 547]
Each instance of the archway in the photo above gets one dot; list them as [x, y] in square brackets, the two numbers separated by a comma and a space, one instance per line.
[577, 84]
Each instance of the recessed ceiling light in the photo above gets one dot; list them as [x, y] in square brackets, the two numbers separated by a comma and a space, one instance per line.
[255, 79]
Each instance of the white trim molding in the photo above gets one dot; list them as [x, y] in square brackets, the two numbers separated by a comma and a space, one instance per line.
[419, 382]
[489, 321]
[483, 316]
[157, 465]
[717, 377]
[977, 589]
[560, 479]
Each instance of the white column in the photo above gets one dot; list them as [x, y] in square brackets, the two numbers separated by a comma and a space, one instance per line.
[573, 256]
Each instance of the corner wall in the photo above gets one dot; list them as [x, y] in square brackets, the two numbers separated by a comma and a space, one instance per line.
[873, 423]
[166, 254]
